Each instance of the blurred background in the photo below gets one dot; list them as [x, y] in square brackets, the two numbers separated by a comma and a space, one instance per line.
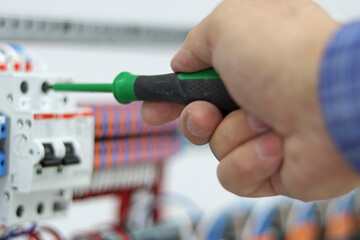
[150, 33]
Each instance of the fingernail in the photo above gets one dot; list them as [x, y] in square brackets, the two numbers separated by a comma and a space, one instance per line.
[194, 129]
[269, 146]
[256, 123]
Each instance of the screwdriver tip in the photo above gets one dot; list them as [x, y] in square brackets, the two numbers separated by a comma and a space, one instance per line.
[46, 87]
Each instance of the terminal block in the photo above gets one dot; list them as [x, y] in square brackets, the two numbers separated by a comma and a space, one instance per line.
[3, 131]
[2, 164]
[3, 127]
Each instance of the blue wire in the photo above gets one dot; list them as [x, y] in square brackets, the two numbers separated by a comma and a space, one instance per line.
[13, 233]
[216, 231]
[221, 221]
[345, 203]
[18, 48]
[306, 212]
[264, 220]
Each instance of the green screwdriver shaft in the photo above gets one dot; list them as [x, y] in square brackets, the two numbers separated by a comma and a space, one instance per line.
[83, 87]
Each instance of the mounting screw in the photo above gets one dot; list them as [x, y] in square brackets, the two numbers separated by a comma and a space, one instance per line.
[45, 87]
[6, 195]
[20, 123]
[28, 123]
[10, 98]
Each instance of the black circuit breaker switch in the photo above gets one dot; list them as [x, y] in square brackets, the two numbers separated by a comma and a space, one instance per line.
[49, 159]
[70, 156]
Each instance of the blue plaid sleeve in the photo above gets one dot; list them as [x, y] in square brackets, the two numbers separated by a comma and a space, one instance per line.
[339, 91]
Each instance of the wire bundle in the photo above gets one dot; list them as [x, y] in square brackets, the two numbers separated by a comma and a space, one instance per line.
[124, 121]
[134, 151]
[285, 219]
[127, 150]
[163, 231]
[115, 180]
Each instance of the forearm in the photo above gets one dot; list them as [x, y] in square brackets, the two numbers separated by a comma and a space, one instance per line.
[339, 91]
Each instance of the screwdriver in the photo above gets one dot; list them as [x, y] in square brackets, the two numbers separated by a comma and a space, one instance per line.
[178, 88]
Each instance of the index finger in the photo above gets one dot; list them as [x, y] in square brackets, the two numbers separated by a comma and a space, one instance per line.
[195, 54]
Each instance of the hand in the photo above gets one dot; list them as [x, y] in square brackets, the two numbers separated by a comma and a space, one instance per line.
[268, 53]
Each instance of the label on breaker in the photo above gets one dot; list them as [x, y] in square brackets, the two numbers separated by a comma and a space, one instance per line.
[51, 116]
[25, 103]
[46, 103]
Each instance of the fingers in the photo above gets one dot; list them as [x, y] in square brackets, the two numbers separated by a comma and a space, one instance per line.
[199, 120]
[186, 60]
[247, 170]
[195, 54]
[157, 113]
[235, 129]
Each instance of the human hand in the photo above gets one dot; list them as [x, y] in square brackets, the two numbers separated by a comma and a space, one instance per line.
[268, 53]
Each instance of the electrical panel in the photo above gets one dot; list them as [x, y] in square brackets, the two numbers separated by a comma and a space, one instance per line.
[54, 150]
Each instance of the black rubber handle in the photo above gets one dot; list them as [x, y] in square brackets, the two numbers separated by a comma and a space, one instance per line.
[170, 88]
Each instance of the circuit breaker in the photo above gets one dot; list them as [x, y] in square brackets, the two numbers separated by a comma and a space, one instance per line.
[46, 147]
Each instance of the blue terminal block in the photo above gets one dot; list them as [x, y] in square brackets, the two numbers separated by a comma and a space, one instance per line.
[3, 126]
[2, 164]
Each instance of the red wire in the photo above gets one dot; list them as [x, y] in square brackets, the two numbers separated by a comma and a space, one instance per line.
[156, 189]
[122, 232]
[124, 199]
[34, 235]
[52, 232]
[91, 235]
[96, 236]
